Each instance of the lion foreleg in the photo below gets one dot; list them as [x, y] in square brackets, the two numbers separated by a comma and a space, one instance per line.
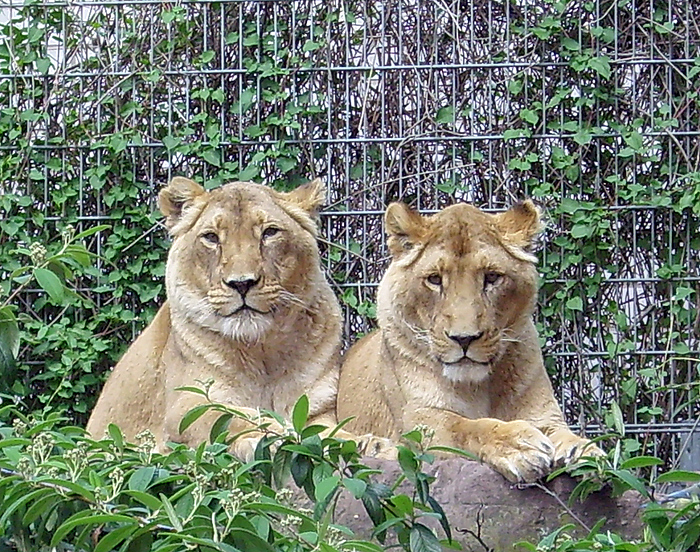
[516, 449]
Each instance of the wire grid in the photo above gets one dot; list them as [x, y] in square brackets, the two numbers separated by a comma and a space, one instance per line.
[408, 101]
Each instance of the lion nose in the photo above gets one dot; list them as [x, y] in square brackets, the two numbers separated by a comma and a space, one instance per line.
[464, 340]
[242, 285]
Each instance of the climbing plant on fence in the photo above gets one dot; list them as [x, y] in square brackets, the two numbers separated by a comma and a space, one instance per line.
[589, 107]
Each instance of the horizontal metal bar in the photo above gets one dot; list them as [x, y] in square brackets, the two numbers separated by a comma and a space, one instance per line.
[438, 138]
[347, 68]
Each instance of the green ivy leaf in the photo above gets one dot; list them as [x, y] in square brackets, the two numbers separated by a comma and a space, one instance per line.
[575, 303]
[171, 142]
[515, 86]
[529, 116]
[212, 157]
[445, 115]
[601, 65]
[580, 231]
[635, 141]
[583, 137]
[570, 44]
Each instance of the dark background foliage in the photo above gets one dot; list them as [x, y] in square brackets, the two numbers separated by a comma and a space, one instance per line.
[590, 107]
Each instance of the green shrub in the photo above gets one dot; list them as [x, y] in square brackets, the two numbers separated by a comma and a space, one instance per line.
[60, 490]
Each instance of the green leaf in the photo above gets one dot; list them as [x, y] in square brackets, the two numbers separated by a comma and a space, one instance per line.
[87, 517]
[300, 413]
[9, 340]
[143, 543]
[601, 65]
[617, 417]
[285, 164]
[195, 390]
[78, 253]
[141, 478]
[373, 506]
[23, 498]
[445, 114]
[325, 487]
[443, 517]
[679, 476]
[171, 142]
[212, 156]
[90, 231]
[515, 86]
[170, 512]
[116, 435]
[641, 462]
[282, 467]
[529, 116]
[580, 231]
[583, 136]
[570, 44]
[112, 539]
[356, 486]
[423, 539]
[220, 426]
[575, 303]
[360, 546]
[632, 481]
[453, 450]
[43, 65]
[635, 141]
[148, 500]
[192, 416]
[407, 461]
[50, 283]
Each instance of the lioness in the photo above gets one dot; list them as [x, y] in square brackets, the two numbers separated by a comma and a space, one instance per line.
[456, 348]
[248, 307]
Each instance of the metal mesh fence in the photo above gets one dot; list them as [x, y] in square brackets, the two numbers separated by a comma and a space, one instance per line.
[589, 107]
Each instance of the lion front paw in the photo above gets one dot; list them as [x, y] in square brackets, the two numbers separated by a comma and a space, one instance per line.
[244, 447]
[520, 452]
[377, 447]
[569, 447]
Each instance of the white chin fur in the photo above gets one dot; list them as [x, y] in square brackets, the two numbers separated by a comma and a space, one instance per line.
[466, 373]
[247, 326]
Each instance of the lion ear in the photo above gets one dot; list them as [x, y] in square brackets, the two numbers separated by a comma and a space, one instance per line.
[310, 196]
[404, 227]
[176, 197]
[520, 224]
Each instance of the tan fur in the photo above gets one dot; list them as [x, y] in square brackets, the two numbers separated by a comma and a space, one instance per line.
[263, 357]
[469, 275]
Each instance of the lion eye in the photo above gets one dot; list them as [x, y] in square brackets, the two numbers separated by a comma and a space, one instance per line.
[211, 238]
[269, 232]
[435, 280]
[491, 278]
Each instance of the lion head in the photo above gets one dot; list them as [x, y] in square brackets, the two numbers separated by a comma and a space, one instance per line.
[459, 285]
[244, 257]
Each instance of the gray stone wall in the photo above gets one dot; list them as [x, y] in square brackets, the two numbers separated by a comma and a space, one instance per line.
[486, 512]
